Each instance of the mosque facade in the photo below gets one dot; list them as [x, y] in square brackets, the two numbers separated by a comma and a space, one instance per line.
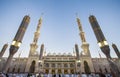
[57, 63]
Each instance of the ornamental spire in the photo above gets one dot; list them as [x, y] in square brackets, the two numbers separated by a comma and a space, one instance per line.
[82, 34]
[37, 32]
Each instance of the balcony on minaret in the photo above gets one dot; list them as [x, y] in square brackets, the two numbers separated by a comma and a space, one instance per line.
[82, 34]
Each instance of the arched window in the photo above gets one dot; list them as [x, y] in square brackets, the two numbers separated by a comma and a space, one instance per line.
[71, 65]
[65, 65]
[59, 65]
[53, 65]
[46, 64]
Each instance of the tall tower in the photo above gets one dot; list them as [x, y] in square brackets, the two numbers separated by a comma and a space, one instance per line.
[102, 42]
[77, 52]
[17, 41]
[33, 55]
[41, 52]
[116, 50]
[85, 45]
[33, 45]
[85, 56]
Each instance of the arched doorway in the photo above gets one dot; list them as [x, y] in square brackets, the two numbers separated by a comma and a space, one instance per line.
[65, 71]
[53, 71]
[46, 71]
[18, 70]
[72, 71]
[8, 70]
[59, 71]
[100, 69]
[87, 68]
[13, 70]
[106, 71]
[32, 67]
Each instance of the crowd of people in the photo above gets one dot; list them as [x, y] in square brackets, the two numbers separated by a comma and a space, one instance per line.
[52, 75]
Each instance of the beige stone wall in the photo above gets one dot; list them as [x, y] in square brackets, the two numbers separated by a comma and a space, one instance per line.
[97, 63]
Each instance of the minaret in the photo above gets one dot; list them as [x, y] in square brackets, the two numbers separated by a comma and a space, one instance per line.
[17, 41]
[85, 56]
[41, 52]
[116, 50]
[77, 52]
[3, 50]
[85, 45]
[34, 46]
[82, 34]
[33, 56]
[103, 44]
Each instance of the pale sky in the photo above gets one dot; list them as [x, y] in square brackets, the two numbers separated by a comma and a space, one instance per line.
[59, 31]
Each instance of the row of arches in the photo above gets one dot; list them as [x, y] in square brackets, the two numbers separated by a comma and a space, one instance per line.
[54, 65]
[60, 71]
[86, 68]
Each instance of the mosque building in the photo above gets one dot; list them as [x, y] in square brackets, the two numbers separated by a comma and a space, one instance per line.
[57, 63]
